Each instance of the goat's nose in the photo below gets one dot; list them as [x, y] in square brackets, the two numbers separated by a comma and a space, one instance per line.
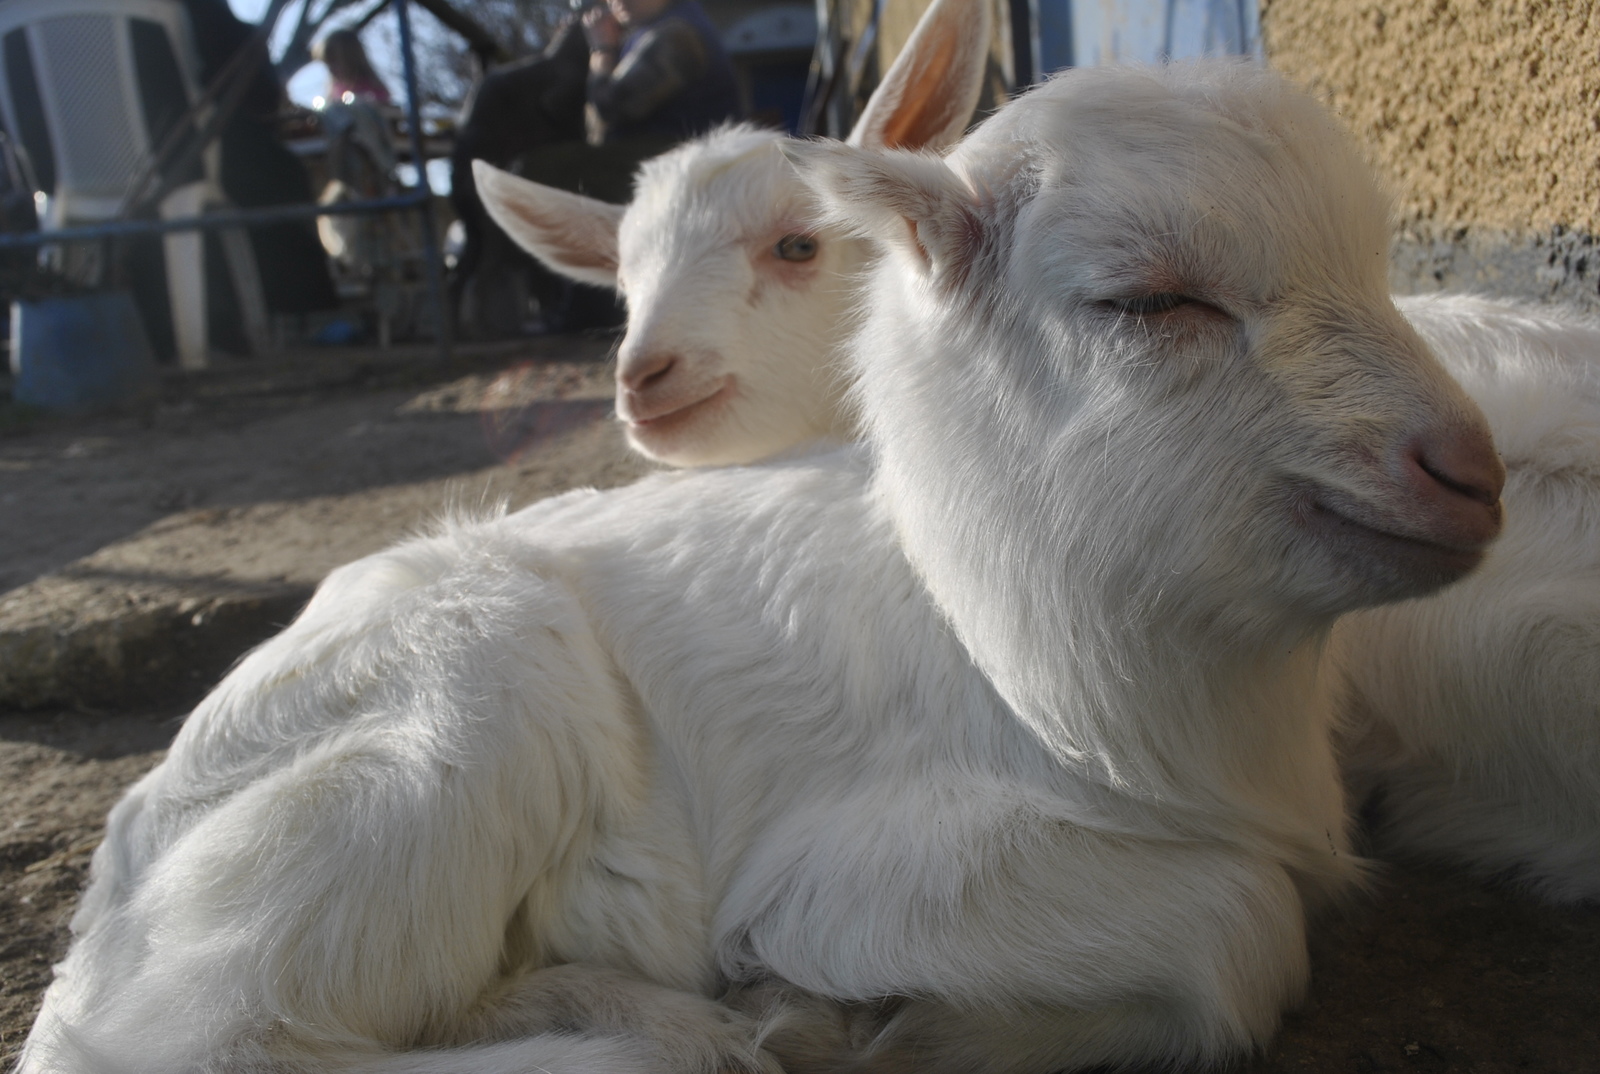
[641, 372]
[1459, 475]
[1465, 463]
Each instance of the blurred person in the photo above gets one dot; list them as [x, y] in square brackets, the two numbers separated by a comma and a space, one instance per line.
[257, 171]
[360, 164]
[349, 70]
[657, 68]
[529, 105]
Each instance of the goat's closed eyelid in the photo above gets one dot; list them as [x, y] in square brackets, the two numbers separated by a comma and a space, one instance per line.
[1145, 305]
[1158, 304]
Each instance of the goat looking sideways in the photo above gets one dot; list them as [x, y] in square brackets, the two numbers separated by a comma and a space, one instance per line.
[737, 302]
[994, 744]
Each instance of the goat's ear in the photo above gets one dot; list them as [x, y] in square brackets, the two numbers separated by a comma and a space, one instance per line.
[574, 235]
[925, 101]
[912, 202]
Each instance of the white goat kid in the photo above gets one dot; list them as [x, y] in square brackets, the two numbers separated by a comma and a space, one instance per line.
[736, 302]
[997, 744]
[1476, 712]
[1475, 725]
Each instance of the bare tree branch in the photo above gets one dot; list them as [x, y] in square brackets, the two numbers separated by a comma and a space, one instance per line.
[483, 43]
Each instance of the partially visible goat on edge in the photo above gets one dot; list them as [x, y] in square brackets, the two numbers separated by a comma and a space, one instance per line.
[1475, 713]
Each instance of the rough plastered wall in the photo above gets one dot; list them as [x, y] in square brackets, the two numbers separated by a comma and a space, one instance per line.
[1483, 115]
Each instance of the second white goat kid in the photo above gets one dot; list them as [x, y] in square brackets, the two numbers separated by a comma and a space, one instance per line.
[737, 302]
[996, 744]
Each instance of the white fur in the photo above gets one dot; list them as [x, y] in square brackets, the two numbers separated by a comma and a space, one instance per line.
[997, 744]
[1476, 712]
[1475, 724]
[731, 353]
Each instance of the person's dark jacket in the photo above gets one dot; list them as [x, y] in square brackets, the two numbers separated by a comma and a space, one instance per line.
[258, 171]
[673, 79]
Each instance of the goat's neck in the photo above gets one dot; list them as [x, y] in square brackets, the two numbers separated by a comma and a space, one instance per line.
[1124, 669]
[1158, 710]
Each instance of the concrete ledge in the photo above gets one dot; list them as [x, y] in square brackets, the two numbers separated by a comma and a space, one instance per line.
[129, 649]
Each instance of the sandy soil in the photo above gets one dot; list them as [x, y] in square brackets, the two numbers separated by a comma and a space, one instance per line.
[59, 774]
[317, 424]
[1432, 972]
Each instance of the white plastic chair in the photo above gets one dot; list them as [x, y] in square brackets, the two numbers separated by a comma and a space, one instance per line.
[70, 86]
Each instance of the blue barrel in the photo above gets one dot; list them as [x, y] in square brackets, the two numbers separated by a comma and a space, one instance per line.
[76, 352]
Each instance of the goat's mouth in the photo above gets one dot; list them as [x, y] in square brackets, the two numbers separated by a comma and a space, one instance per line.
[670, 421]
[1350, 527]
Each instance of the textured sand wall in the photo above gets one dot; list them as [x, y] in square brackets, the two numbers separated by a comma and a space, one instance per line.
[1484, 117]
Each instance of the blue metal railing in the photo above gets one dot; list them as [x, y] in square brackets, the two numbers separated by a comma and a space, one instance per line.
[222, 218]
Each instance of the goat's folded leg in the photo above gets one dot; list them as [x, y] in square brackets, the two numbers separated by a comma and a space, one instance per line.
[325, 866]
[678, 1031]
[812, 1034]
[1064, 950]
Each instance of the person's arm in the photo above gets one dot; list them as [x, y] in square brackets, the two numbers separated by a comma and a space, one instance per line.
[604, 35]
[669, 58]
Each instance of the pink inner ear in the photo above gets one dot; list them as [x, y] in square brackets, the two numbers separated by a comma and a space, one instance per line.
[916, 240]
[576, 238]
[930, 111]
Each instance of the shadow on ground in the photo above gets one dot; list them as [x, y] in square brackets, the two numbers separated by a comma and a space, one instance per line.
[144, 550]
[323, 423]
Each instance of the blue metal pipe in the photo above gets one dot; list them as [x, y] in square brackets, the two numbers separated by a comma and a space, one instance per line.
[222, 218]
[431, 261]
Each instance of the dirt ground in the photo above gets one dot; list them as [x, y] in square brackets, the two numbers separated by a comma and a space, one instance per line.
[1430, 972]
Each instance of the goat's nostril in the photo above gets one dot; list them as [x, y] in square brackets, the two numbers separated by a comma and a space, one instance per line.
[647, 372]
[1481, 490]
[1466, 465]
[656, 376]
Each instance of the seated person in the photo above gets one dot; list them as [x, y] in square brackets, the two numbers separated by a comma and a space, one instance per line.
[257, 171]
[657, 68]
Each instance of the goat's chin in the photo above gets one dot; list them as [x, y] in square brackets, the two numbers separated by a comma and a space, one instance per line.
[685, 436]
[1391, 565]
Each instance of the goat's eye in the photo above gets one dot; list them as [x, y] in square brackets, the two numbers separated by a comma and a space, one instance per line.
[795, 248]
[1145, 305]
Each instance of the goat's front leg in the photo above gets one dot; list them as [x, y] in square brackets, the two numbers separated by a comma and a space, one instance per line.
[1030, 946]
[812, 1034]
[680, 1032]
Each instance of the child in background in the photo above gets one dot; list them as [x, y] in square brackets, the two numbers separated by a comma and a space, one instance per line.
[350, 74]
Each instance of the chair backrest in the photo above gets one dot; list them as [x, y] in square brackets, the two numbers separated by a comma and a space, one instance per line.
[90, 88]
